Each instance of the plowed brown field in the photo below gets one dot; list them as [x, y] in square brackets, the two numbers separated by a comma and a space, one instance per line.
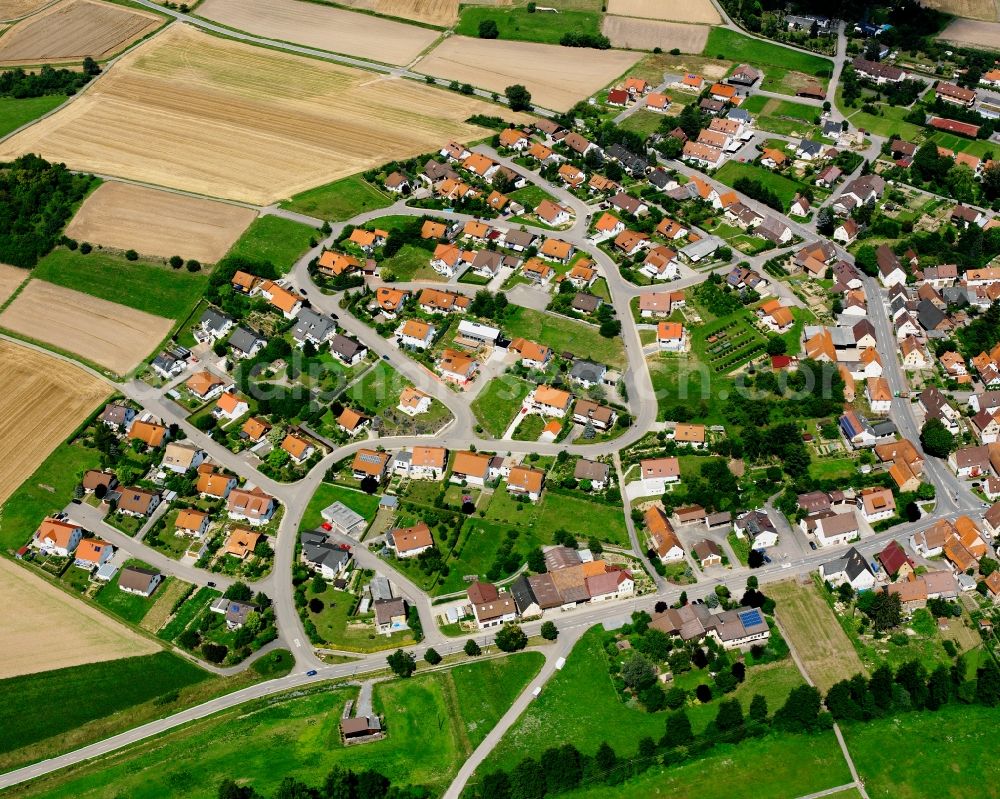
[226, 119]
[106, 333]
[323, 27]
[433, 12]
[70, 30]
[701, 11]
[154, 222]
[15, 9]
[42, 401]
[10, 278]
[645, 34]
[45, 628]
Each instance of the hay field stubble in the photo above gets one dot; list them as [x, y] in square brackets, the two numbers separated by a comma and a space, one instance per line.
[226, 119]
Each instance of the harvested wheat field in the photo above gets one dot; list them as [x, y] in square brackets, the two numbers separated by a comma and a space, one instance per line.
[700, 11]
[976, 34]
[70, 30]
[115, 336]
[975, 9]
[15, 9]
[443, 13]
[42, 401]
[10, 278]
[45, 628]
[153, 222]
[645, 34]
[557, 77]
[242, 122]
[323, 27]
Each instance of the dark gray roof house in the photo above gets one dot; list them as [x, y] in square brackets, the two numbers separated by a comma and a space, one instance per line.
[320, 553]
[521, 593]
[237, 613]
[930, 316]
[245, 341]
[587, 372]
[312, 326]
[591, 470]
[661, 178]
[347, 349]
[215, 322]
[810, 148]
[585, 303]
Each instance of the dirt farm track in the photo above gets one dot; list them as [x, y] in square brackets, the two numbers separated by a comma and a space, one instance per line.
[106, 333]
[225, 119]
[323, 27]
[73, 29]
[42, 401]
[46, 629]
[153, 222]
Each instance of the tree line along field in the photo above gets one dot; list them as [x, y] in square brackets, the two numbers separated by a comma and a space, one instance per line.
[72, 29]
[242, 122]
[433, 723]
[324, 27]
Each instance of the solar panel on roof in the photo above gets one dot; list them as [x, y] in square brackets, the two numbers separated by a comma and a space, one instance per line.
[750, 618]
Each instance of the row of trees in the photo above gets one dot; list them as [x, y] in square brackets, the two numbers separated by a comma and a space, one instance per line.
[340, 783]
[19, 84]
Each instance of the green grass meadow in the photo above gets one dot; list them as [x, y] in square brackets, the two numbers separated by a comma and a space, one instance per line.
[564, 334]
[328, 493]
[498, 401]
[275, 239]
[785, 188]
[339, 200]
[34, 499]
[432, 722]
[155, 289]
[17, 112]
[39, 706]
[730, 45]
[520, 24]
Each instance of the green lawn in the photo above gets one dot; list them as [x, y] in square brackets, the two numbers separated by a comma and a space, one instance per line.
[131, 607]
[832, 468]
[47, 491]
[890, 122]
[432, 724]
[759, 104]
[327, 493]
[531, 195]
[410, 263]
[378, 389]
[518, 23]
[530, 428]
[39, 706]
[583, 517]
[645, 123]
[978, 147]
[780, 766]
[498, 401]
[955, 758]
[476, 550]
[561, 715]
[340, 200]
[785, 188]
[563, 334]
[730, 45]
[14, 113]
[155, 289]
[684, 380]
[340, 630]
[275, 239]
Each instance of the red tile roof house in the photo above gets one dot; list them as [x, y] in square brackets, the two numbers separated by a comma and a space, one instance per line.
[657, 473]
[252, 506]
[57, 537]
